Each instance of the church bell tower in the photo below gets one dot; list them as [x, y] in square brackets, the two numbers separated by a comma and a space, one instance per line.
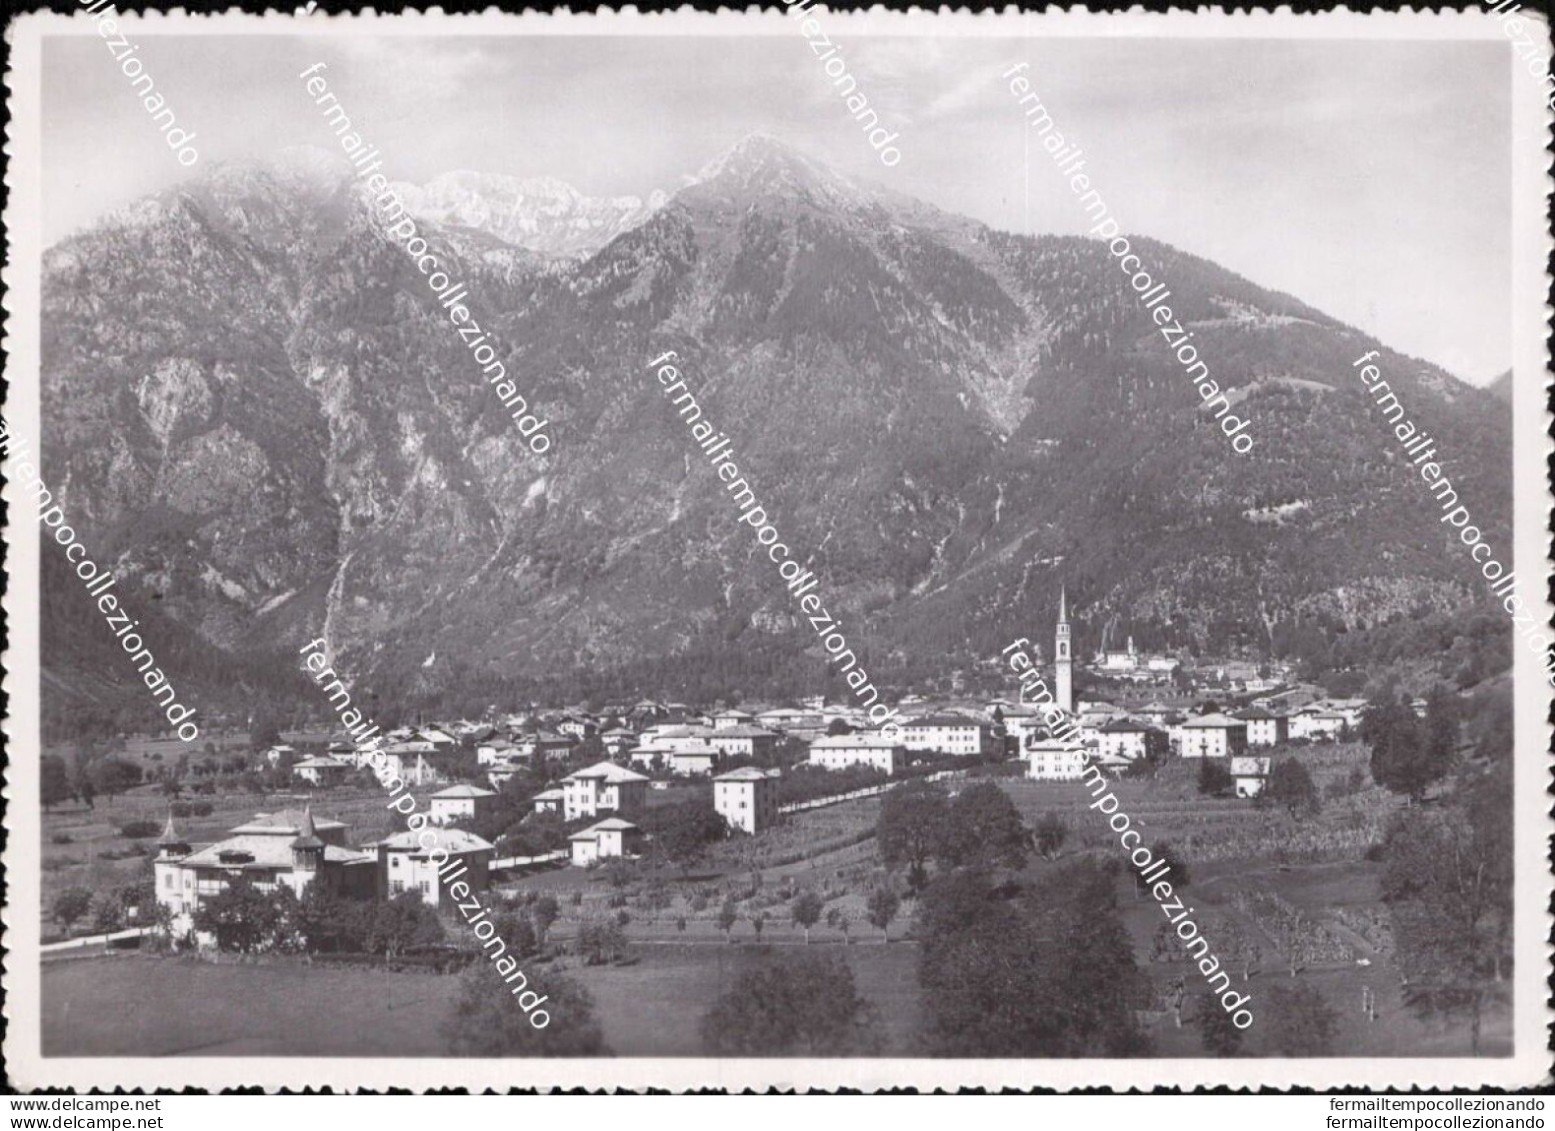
[1062, 661]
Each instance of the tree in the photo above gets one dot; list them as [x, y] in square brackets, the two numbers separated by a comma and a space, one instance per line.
[107, 912]
[806, 911]
[1217, 1033]
[682, 833]
[759, 924]
[1176, 868]
[1403, 759]
[601, 942]
[264, 726]
[544, 912]
[240, 917]
[71, 905]
[804, 1006]
[982, 828]
[517, 934]
[489, 1019]
[910, 824]
[1050, 834]
[1300, 1021]
[882, 907]
[403, 922]
[728, 915]
[1441, 728]
[54, 785]
[1214, 779]
[327, 924]
[1447, 881]
[1290, 785]
[1052, 974]
[114, 775]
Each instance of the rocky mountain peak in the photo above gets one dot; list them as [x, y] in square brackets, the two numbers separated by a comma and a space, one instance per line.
[759, 165]
[541, 214]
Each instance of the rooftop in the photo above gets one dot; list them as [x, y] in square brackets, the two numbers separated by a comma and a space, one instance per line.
[1215, 721]
[854, 742]
[608, 772]
[745, 773]
[608, 825]
[455, 841]
[286, 822]
[265, 853]
[942, 720]
[464, 790]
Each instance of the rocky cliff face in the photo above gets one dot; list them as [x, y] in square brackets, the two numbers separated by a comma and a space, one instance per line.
[253, 399]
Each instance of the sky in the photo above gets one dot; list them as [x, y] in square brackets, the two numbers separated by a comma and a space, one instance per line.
[1369, 179]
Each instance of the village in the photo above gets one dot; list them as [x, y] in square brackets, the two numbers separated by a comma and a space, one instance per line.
[644, 830]
[744, 758]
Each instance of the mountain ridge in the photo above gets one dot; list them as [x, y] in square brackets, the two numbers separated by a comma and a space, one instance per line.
[948, 420]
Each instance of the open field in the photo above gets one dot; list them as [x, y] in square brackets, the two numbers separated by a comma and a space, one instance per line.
[1206, 828]
[118, 1006]
[1319, 899]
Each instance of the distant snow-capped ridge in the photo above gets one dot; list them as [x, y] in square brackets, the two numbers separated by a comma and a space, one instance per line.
[541, 214]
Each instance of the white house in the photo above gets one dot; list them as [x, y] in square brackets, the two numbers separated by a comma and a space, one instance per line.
[838, 751]
[550, 801]
[1250, 772]
[743, 741]
[692, 762]
[726, 720]
[603, 788]
[1264, 728]
[286, 849]
[1212, 736]
[323, 771]
[612, 837]
[405, 864]
[1317, 724]
[459, 802]
[947, 734]
[1125, 738]
[747, 798]
[438, 739]
[1050, 759]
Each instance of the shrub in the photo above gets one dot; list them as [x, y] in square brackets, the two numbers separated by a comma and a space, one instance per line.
[62, 838]
[139, 830]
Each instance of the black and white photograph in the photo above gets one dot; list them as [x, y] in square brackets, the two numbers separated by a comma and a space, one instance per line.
[794, 548]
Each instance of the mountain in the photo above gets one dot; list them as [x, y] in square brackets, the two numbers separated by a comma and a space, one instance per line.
[540, 214]
[252, 401]
[1501, 387]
